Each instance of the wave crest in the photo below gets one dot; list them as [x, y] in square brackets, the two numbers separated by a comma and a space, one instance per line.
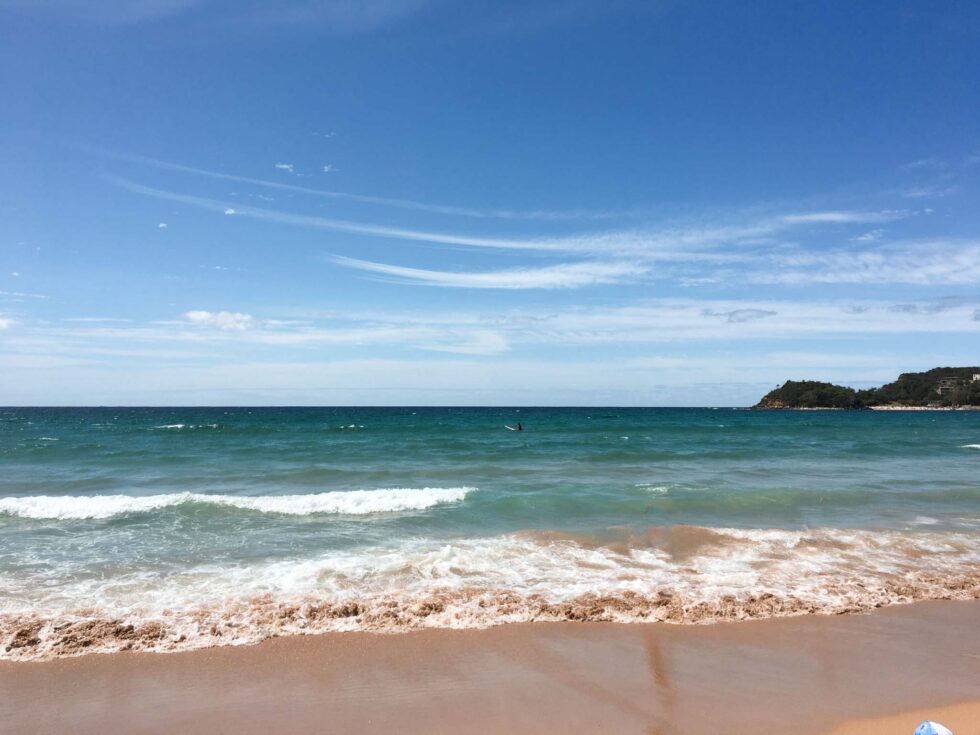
[350, 502]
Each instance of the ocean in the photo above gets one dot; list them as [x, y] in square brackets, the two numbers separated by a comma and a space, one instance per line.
[173, 528]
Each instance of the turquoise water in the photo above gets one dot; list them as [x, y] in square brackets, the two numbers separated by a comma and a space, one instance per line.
[143, 515]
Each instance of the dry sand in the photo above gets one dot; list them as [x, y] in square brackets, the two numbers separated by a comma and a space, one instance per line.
[801, 675]
[962, 719]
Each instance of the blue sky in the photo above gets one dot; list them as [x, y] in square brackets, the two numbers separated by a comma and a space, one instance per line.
[433, 202]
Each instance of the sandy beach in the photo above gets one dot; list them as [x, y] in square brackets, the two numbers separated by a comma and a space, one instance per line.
[924, 408]
[813, 674]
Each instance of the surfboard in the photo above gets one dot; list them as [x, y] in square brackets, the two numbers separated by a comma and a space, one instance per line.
[510, 428]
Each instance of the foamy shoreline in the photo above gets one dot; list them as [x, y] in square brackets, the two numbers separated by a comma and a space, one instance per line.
[805, 675]
[678, 575]
[39, 638]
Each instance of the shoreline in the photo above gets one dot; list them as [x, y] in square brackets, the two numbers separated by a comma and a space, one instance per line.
[924, 408]
[808, 674]
[36, 638]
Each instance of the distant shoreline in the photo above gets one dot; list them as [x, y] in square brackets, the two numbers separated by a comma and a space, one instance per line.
[866, 408]
[939, 389]
[924, 408]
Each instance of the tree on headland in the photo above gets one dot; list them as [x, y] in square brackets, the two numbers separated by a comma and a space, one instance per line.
[810, 394]
[941, 387]
[944, 386]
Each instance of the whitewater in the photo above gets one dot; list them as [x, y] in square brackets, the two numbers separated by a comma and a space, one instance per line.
[168, 529]
[354, 502]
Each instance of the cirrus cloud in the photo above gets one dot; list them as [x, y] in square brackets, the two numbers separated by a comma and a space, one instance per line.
[223, 320]
[563, 275]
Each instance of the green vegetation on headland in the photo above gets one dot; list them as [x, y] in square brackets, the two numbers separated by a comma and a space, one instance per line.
[946, 387]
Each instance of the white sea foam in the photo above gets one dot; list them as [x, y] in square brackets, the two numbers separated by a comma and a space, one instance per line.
[177, 427]
[971, 446]
[682, 574]
[352, 502]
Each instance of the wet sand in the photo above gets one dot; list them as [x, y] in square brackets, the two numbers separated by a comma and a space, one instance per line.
[802, 675]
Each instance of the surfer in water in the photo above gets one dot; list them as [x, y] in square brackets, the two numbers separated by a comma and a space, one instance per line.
[519, 427]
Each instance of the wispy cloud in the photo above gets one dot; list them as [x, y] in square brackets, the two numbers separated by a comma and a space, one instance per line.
[928, 262]
[935, 306]
[102, 12]
[564, 275]
[475, 332]
[691, 320]
[6, 323]
[408, 204]
[740, 316]
[336, 16]
[224, 320]
[846, 217]
[339, 225]
[932, 162]
[323, 360]
[870, 236]
[97, 320]
[671, 243]
[479, 342]
[285, 167]
[747, 252]
[928, 192]
[20, 295]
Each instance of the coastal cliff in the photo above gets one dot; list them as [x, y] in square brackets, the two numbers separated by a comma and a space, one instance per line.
[945, 387]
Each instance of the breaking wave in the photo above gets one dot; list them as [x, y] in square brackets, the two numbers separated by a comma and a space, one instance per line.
[678, 574]
[351, 502]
